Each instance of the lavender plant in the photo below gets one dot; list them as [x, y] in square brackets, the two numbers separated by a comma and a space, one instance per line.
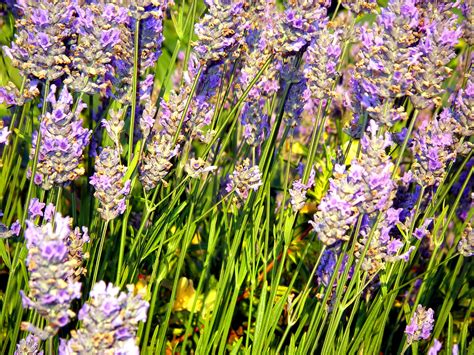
[249, 177]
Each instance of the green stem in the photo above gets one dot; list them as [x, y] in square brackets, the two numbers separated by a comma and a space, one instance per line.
[99, 255]
[133, 112]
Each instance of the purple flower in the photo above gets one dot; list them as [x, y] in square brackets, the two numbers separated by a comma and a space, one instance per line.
[298, 191]
[4, 133]
[62, 143]
[15, 228]
[110, 37]
[39, 47]
[52, 286]
[243, 179]
[109, 314]
[35, 208]
[110, 189]
[421, 324]
[220, 31]
[29, 345]
[322, 58]
[156, 162]
[49, 212]
[437, 345]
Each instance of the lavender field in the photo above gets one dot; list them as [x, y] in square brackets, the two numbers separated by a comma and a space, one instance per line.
[236, 177]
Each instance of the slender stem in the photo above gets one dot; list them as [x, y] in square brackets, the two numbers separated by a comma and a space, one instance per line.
[133, 112]
[35, 159]
[99, 255]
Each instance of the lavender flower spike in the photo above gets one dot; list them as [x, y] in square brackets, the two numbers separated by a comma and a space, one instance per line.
[337, 211]
[243, 179]
[110, 189]
[421, 324]
[322, 57]
[29, 346]
[51, 286]
[109, 322]
[156, 162]
[220, 31]
[62, 143]
[39, 48]
[298, 191]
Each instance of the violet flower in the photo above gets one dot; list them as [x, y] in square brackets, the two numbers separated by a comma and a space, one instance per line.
[221, 31]
[29, 346]
[421, 324]
[35, 208]
[441, 33]
[62, 143]
[110, 188]
[51, 285]
[243, 179]
[109, 322]
[298, 191]
[386, 61]
[322, 58]
[101, 56]
[39, 47]
[156, 161]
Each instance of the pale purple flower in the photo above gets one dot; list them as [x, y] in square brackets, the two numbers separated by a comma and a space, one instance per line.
[62, 142]
[421, 324]
[110, 189]
[437, 345]
[4, 133]
[35, 208]
[112, 315]
[298, 191]
[243, 179]
[29, 346]
[51, 285]
[15, 228]
[49, 212]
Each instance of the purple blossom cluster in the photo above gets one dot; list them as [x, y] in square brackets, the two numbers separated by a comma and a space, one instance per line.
[62, 142]
[88, 44]
[111, 189]
[421, 324]
[109, 322]
[244, 178]
[220, 31]
[365, 188]
[53, 283]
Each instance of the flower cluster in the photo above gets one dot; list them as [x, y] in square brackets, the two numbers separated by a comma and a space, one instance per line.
[297, 26]
[298, 191]
[62, 142]
[29, 346]
[322, 58]
[440, 33]
[220, 31]
[243, 179]
[110, 188]
[109, 322]
[365, 188]
[39, 48]
[53, 284]
[387, 61]
[421, 324]
[433, 148]
[156, 161]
